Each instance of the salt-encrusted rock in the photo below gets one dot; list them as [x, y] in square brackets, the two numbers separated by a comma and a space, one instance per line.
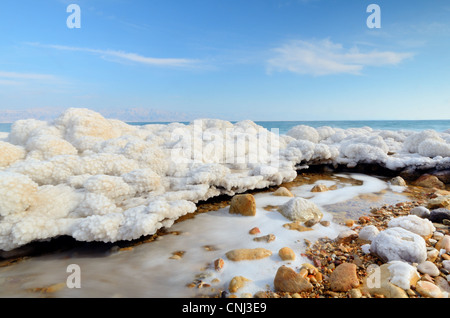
[344, 278]
[248, 254]
[283, 192]
[444, 243]
[300, 209]
[398, 181]
[237, 283]
[346, 236]
[397, 243]
[439, 202]
[420, 211]
[287, 280]
[439, 215]
[429, 181]
[243, 204]
[319, 188]
[368, 233]
[428, 289]
[390, 280]
[415, 224]
[429, 268]
[286, 254]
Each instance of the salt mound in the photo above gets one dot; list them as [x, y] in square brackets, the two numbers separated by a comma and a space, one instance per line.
[101, 179]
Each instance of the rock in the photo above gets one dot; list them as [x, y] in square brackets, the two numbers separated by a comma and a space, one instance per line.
[432, 255]
[439, 202]
[442, 283]
[219, 264]
[429, 181]
[237, 283]
[325, 223]
[243, 204]
[286, 254]
[428, 289]
[355, 293]
[368, 233]
[446, 264]
[254, 231]
[245, 254]
[420, 211]
[443, 175]
[378, 282]
[439, 215]
[311, 222]
[346, 236]
[398, 181]
[444, 243]
[402, 274]
[287, 280]
[344, 278]
[397, 243]
[429, 268]
[296, 226]
[283, 192]
[415, 224]
[266, 238]
[319, 188]
[299, 209]
[349, 223]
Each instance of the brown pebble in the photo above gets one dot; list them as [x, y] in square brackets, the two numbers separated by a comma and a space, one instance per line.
[218, 264]
[254, 231]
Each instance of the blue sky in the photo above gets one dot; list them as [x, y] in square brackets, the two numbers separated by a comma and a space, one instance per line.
[229, 59]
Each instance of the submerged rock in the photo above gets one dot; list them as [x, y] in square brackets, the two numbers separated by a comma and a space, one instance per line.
[300, 209]
[283, 192]
[319, 188]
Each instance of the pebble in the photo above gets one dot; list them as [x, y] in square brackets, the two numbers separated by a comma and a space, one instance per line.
[266, 238]
[319, 188]
[243, 204]
[420, 211]
[219, 264]
[444, 243]
[283, 192]
[286, 254]
[248, 254]
[428, 289]
[429, 268]
[287, 280]
[237, 283]
[344, 278]
[254, 231]
[429, 181]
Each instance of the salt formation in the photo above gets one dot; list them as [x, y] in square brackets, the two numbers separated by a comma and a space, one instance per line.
[99, 179]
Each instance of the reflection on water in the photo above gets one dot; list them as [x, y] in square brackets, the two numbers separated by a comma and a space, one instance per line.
[150, 270]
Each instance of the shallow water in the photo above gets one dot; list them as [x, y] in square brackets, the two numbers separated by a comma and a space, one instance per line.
[147, 270]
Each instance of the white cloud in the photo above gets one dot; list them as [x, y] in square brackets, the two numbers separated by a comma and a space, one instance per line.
[324, 57]
[126, 56]
[17, 78]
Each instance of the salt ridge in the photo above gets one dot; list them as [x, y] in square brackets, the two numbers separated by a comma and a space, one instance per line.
[99, 179]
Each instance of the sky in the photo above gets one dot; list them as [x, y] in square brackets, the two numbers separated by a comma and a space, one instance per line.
[262, 60]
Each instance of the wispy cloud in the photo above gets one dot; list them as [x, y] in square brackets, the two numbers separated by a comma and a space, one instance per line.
[324, 57]
[127, 56]
[17, 78]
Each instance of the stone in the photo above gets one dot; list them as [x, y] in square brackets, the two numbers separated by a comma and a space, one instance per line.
[428, 289]
[325, 223]
[219, 264]
[346, 236]
[429, 181]
[439, 202]
[237, 283]
[296, 226]
[378, 282]
[319, 188]
[355, 293]
[311, 222]
[266, 238]
[245, 254]
[243, 204]
[446, 264]
[287, 280]
[443, 175]
[429, 268]
[283, 192]
[398, 181]
[444, 243]
[368, 233]
[415, 224]
[299, 209]
[397, 243]
[344, 278]
[432, 255]
[286, 254]
[254, 231]
[439, 215]
[442, 283]
[420, 211]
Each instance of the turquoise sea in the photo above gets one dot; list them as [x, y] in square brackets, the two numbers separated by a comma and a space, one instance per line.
[284, 126]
